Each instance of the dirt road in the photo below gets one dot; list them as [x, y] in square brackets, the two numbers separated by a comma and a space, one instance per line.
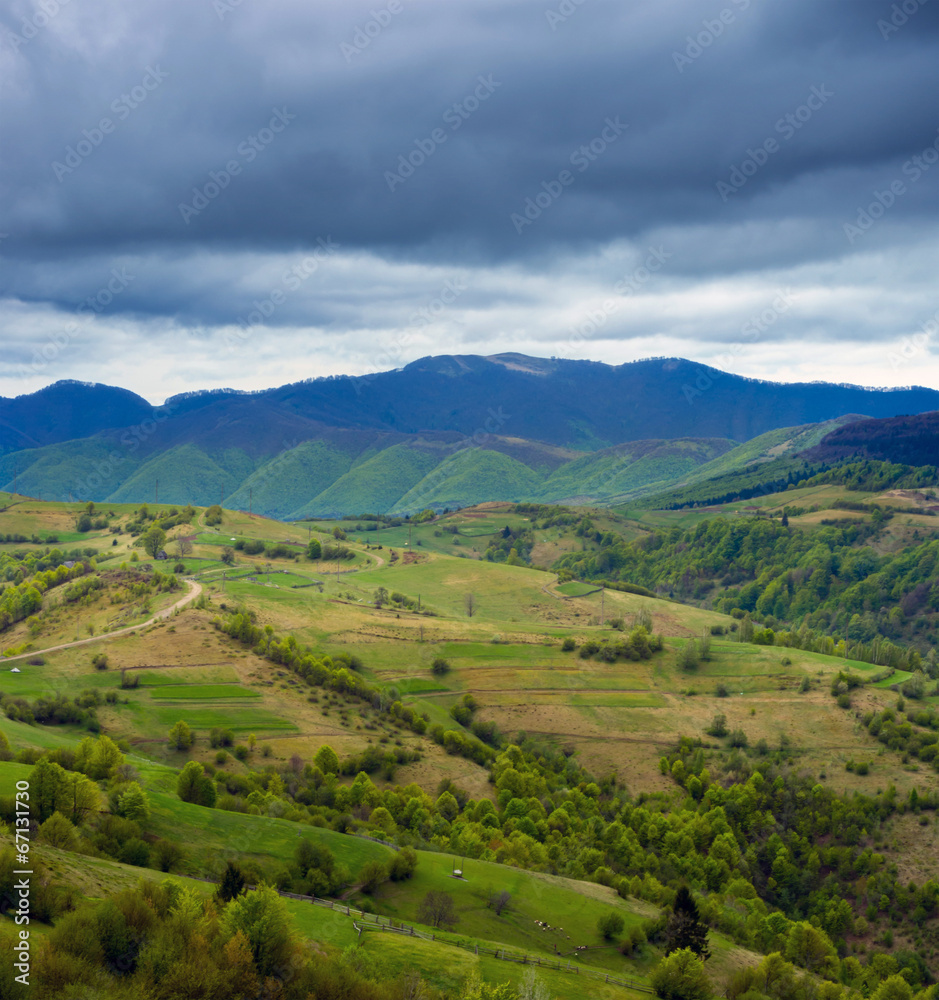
[195, 589]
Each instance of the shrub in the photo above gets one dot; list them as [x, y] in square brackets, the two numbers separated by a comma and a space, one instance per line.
[610, 925]
[681, 976]
[568, 645]
[100, 661]
[439, 667]
[718, 726]
[371, 876]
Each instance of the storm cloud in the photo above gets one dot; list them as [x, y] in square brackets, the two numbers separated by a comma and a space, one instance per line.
[244, 193]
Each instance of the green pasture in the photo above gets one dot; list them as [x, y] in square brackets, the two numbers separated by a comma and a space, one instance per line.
[202, 692]
[11, 773]
[573, 906]
[214, 835]
[183, 676]
[574, 588]
[239, 719]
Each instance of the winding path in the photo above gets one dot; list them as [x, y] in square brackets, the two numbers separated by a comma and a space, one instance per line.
[195, 589]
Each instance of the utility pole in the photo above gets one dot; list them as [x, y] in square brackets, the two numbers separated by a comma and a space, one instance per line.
[250, 499]
[602, 595]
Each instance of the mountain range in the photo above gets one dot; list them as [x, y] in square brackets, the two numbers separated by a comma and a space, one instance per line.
[442, 431]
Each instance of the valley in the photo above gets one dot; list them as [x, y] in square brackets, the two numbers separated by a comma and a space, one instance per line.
[443, 663]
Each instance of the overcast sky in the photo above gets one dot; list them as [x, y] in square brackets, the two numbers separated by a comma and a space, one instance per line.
[204, 193]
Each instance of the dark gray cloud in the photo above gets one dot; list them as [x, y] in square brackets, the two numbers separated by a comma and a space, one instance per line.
[539, 147]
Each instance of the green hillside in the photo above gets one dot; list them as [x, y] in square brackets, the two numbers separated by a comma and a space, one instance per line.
[186, 474]
[286, 483]
[471, 476]
[375, 483]
[90, 466]
[611, 473]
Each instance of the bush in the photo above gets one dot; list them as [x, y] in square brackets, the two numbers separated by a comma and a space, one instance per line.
[610, 925]
[439, 667]
[100, 661]
[721, 691]
[371, 876]
[718, 726]
[681, 976]
[403, 865]
[688, 656]
[568, 645]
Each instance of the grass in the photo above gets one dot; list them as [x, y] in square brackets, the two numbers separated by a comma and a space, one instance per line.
[240, 720]
[202, 692]
[265, 840]
[574, 588]
[10, 774]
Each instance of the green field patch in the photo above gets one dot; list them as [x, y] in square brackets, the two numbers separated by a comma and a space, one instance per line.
[202, 692]
[11, 773]
[898, 677]
[573, 906]
[216, 835]
[574, 588]
[21, 735]
[418, 685]
[221, 673]
[253, 720]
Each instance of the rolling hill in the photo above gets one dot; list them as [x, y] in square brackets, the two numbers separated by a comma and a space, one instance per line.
[458, 430]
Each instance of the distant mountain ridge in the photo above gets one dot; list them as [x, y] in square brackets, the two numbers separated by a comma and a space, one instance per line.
[442, 431]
